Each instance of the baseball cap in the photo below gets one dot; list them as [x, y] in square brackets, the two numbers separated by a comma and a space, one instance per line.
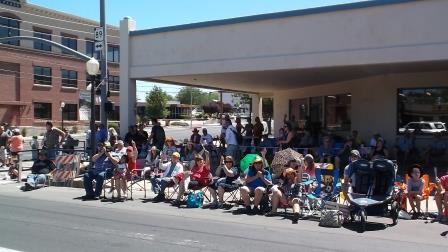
[176, 154]
[355, 153]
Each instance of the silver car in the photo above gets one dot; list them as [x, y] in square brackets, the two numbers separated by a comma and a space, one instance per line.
[424, 127]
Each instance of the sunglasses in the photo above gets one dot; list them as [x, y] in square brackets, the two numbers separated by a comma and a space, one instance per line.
[258, 163]
[228, 162]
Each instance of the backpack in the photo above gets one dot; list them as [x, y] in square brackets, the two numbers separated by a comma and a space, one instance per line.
[239, 137]
[195, 200]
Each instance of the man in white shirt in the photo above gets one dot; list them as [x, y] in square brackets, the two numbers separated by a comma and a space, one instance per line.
[170, 170]
[231, 141]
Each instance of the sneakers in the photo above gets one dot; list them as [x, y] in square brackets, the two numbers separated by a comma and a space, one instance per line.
[271, 214]
[28, 187]
[248, 210]
[256, 210]
[213, 205]
[176, 203]
[89, 197]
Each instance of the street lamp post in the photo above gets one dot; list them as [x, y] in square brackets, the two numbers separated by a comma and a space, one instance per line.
[93, 67]
[62, 114]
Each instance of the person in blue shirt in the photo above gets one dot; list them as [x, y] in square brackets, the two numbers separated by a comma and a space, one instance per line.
[257, 180]
[102, 134]
[105, 161]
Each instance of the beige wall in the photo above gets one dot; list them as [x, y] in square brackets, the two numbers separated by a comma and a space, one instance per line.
[407, 32]
[374, 99]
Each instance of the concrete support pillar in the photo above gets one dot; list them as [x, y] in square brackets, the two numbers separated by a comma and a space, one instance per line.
[281, 107]
[257, 108]
[128, 92]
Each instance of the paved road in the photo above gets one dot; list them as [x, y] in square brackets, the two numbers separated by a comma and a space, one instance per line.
[52, 219]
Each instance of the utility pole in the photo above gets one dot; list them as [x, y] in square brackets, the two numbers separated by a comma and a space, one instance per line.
[191, 107]
[103, 65]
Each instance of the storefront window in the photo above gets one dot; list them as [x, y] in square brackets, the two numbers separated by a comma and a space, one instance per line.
[423, 110]
[299, 111]
[332, 112]
[42, 110]
[338, 112]
[70, 112]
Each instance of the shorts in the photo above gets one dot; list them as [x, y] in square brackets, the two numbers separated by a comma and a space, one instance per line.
[120, 174]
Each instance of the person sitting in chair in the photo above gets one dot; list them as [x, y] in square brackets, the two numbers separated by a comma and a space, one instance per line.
[441, 198]
[104, 163]
[161, 181]
[257, 180]
[199, 176]
[226, 174]
[39, 171]
[287, 193]
[415, 186]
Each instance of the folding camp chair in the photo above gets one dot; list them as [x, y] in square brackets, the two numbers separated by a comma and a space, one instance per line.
[67, 168]
[135, 178]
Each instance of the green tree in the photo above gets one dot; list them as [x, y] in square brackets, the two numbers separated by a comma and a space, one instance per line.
[195, 96]
[156, 102]
[241, 99]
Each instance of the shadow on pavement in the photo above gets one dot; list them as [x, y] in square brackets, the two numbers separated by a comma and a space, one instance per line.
[370, 226]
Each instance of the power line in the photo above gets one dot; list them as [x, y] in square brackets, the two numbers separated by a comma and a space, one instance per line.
[33, 74]
[73, 22]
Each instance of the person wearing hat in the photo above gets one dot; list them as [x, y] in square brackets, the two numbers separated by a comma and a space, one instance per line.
[415, 186]
[151, 161]
[256, 182]
[168, 149]
[354, 156]
[41, 167]
[287, 194]
[105, 162]
[195, 137]
[168, 177]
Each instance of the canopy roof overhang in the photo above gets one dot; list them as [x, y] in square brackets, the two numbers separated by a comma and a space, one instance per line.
[276, 80]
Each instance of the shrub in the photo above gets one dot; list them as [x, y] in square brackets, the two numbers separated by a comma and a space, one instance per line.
[114, 125]
[24, 131]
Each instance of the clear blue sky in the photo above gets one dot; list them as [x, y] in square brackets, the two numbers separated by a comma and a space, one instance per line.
[160, 13]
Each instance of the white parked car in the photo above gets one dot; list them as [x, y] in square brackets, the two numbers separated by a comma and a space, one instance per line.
[424, 127]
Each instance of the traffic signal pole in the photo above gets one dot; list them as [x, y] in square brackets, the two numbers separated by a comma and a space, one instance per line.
[103, 65]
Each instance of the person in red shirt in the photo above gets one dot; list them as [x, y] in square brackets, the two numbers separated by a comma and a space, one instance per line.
[199, 176]
[132, 153]
[441, 198]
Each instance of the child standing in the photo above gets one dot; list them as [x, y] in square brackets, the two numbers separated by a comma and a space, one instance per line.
[34, 147]
[120, 177]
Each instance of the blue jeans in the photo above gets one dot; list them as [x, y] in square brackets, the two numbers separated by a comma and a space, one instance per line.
[51, 152]
[99, 178]
[36, 180]
[160, 184]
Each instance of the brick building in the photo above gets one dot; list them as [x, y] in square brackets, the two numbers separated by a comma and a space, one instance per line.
[36, 78]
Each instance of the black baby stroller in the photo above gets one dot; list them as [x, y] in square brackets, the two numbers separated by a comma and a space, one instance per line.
[372, 190]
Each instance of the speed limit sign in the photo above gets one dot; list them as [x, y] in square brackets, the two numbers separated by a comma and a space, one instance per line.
[99, 34]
